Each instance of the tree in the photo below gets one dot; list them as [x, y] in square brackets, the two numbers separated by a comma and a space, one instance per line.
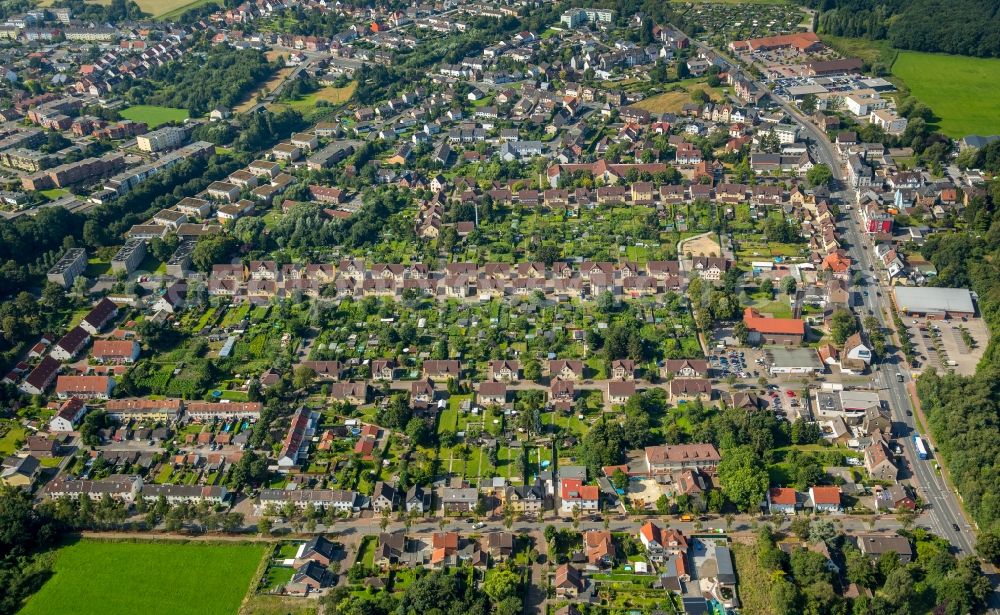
[800, 527]
[788, 285]
[383, 521]
[842, 326]
[662, 504]
[264, 525]
[988, 546]
[743, 477]
[906, 518]
[741, 332]
[212, 250]
[620, 480]
[303, 377]
[549, 533]
[532, 370]
[767, 286]
[819, 175]
[822, 530]
[501, 583]
[417, 430]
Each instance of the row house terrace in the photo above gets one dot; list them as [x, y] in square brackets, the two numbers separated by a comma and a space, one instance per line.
[261, 280]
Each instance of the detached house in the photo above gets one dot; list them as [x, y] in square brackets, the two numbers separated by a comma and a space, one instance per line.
[623, 369]
[660, 544]
[782, 500]
[505, 371]
[825, 499]
[442, 369]
[383, 498]
[68, 416]
[566, 369]
[573, 494]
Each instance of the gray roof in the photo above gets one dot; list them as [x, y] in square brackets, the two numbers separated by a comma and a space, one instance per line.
[931, 299]
[724, 560]
[794, 357]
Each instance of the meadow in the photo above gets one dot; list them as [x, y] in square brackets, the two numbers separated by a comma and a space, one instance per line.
[156, 8]
[154, 116]
[329, 94]
[962, 91]
[152, 578]
[679, 95]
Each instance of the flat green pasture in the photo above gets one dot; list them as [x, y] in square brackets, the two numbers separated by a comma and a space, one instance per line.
[152, 578]
[962, 91]
[154, 116]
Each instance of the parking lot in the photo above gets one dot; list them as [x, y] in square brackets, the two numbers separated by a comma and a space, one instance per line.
[941, 344]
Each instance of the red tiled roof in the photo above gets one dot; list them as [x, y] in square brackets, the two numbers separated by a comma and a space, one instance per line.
[783, 495]
[785, 326]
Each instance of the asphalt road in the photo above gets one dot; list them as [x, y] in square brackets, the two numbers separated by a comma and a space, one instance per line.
[945, 510]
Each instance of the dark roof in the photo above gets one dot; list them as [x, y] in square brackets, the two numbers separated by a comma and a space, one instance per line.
[101, 313]
[310, 570]
[321, 546]
[74, 340]
[42, 375]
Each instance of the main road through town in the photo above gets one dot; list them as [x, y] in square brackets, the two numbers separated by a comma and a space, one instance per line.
[892, 375]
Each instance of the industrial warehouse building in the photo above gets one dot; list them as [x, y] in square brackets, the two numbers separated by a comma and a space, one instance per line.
[936, 303]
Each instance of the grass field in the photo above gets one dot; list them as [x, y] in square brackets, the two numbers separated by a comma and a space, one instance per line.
[12, 433]
[673, 101]
[730, 1]
[329, 94]
[962, 91]
[110, 578]
[154, 116]
[754, 582]
[268, 86]
[156, 8]
[262, 604]
[54, 193]
[872, 52]
[170, 9]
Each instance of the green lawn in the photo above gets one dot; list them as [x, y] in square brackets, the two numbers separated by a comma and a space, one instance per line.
[14, 432]
[109, 578]
[154, 116]
[962, 91]
[54, 193]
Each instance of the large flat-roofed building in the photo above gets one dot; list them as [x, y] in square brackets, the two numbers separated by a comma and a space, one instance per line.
[72, 264]
[129, 256]
[794, 361]
[168, 137]
[936, 303]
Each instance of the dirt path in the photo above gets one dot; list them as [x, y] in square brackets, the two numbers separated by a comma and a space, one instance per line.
[182, 537]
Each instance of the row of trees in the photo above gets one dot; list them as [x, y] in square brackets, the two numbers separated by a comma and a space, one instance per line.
[921, 25]
[802, 582]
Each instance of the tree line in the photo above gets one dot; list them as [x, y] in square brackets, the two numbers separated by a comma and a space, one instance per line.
[962, 27]
[963, 411]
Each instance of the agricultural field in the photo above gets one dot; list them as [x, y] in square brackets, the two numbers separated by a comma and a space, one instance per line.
[154, 116]
[156, 8]
[110, 578]
[962, 91]
[171, 9]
